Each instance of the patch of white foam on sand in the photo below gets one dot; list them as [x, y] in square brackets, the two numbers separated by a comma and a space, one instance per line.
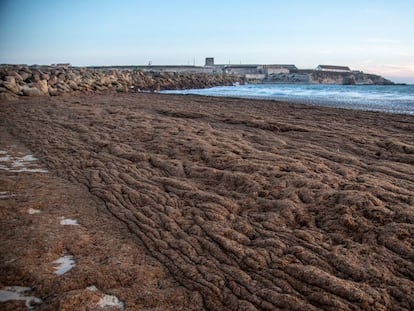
[10, 293]
[65, 264]
[107, 300]
[17, 164]
[3, 194]
[33, 211]
[68, 222]
[110, 301]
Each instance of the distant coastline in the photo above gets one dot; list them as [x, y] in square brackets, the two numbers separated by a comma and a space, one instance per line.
[56, 79]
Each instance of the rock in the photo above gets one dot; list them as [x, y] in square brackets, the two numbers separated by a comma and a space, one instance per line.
[32, 91]
[44, 76]
[52, 91]
[8, 96]
[25, 75]
[73, 85]
[98, 87]
[63, 87]
[36, 77]
[121, 88]
[42, 85]
[53, 80]
[56, 81]
[17, 77]
[11, 85]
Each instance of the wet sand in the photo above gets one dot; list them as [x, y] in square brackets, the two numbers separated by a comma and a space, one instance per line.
[239, 204]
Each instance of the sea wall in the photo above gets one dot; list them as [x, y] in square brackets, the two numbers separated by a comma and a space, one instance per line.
[16, 81]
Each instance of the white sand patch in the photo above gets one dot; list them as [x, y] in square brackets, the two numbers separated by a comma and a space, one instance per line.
[65, 264]
[68, 222]
[17, 293]
[33, 211]
[3, 152]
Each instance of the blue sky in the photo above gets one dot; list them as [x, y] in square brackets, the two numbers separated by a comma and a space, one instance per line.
[373, 36]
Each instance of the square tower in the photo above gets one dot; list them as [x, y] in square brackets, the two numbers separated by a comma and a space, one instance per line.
[209, 61]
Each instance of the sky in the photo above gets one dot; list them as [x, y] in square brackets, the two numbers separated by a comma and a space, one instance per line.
[373, 36]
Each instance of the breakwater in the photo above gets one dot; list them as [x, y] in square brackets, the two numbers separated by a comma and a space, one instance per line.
[16, 81]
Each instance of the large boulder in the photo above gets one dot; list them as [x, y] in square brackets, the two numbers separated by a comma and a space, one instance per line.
[53, 80]
[25, 75]
[73, 85]
[5, 95]
[63, 87]
[35, 76]
[53, 91]
[42, 85]
[32, 91]
[11, 85]
[17, 77]
[44, 76]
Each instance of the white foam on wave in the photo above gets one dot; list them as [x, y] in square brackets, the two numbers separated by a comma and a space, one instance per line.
[389, 98]
[10, 293]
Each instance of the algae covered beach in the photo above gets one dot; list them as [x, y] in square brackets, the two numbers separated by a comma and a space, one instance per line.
[182, 202]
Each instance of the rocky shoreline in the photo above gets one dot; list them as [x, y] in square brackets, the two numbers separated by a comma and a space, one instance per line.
[328, 77]
[17, 81]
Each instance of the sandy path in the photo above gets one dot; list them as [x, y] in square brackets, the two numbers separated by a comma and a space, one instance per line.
[252, 204]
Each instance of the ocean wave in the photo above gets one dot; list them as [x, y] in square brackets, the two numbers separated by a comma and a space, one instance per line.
[394, 98]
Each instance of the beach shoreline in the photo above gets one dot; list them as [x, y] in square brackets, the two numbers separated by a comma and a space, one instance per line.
[207, 203]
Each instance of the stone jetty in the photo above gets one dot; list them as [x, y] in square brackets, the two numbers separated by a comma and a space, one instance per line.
[20, 80]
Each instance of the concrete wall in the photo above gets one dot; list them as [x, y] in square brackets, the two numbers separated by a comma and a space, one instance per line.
[178, 69]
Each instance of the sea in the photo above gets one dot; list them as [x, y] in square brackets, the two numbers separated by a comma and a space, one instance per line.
[386, 98]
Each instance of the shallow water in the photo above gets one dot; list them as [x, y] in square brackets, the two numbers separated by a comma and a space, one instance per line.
[386, 98]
